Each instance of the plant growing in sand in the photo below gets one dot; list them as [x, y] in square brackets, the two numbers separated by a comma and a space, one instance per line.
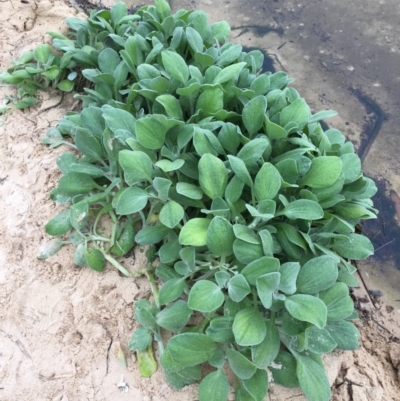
[247, 206]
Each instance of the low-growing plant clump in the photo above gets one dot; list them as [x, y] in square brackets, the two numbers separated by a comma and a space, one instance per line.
[248, 207]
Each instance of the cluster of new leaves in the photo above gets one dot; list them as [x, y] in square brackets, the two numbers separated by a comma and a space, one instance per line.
[251, 206]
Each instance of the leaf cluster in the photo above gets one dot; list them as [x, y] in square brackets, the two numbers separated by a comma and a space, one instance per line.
[249, 206]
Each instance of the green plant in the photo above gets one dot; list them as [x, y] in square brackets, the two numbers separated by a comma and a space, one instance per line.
[247, 206]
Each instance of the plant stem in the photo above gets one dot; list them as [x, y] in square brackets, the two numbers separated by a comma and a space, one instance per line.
[117, 265]
[154, 287]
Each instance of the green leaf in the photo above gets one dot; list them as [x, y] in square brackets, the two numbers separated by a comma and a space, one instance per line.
[175, 66]
[213, 176]
[345, 334]
[211, 100]
[260, 267]
[171, 106]
[229, 73]
[249, 327]
[42, 53]
[50, 248]
[252, 151]
[289, 272]
[162, 186]
[338, 301]
[108, 60]
[137, 166]
[238, 288]
[267, 182]
[284, 370]
[190, 349]
[220, 30]
[177, 376]
[72, 184]
[95, 259]
[264, 353]
[317, 274]
[297, 112]
[240, 169]
[140, 340]
[351, 167]
[194, 39]
[168, 166]
[322, 115]
[194, 232]
[150, 235]
[118, 119]
[66, 85]
[266, 286]
[257, 385]
[319, 340]
[220, 237]
[151, 130]
[312, 379]
[220, 329]
[131, 200]
[171, 214]
[246, 252]
[79, 215]
[172, 290]
[60, 224]
[147, 363]
[163, 9]
[324, 171]
[359, 247]
[253, 114]
[189, 190]
[205, 296]
[174, 317]
[240, 365]
[214, 387]
[307, 308]
[25, 102]
[303, 209]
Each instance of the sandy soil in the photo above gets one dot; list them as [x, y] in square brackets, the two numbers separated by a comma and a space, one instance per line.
[62, 327]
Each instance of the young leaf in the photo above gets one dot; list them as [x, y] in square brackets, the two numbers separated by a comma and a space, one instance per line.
[289, 272]
[249, 327]
[260, 267]
[131, 200]
[266, 286]
[175, 66]
[253, 114]
[345, 334]
[297, 112]
[317, 274]
[214, 387]
[171, 290]
[220, 237]
[140, 340]
[238, 288]
[151, 234]
[264, 353]
[194, 232]
[189, 190]
[240, 169]
[324, 171]
[190, 349]
[205, 296]
[307, 308]
[312, 379]
[60, 224]
[95, 259]
[171, 214]
[338, 301]
[228, 73]
[302, 209]
[137, 166]
[240, 365]
[267, 182]
[213, 176]
[174, 317]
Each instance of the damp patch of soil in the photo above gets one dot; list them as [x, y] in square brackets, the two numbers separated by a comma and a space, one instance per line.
[62, 327]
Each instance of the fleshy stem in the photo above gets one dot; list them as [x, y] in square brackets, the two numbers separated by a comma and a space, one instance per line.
[117, 265]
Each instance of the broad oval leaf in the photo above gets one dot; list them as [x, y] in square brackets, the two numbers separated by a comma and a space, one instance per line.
[240, 365]
[174, 317]
[298, 112]
[171, 290]
[317, 274]
[359, 247]
[190, 349]
[214, 387]
[175, 66]
[267, 182]
[137, 166]
[205, 296]
[213, 176]
[220, 237]
[307, 308]
[264, 353]
[228, 73]
[253, 114]
[60, 224]
[249, 327]
[345, 334]
[194, 232]
[238, 288]
[324, 171]
[131, 200]
[303, 209]
[171, 214]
